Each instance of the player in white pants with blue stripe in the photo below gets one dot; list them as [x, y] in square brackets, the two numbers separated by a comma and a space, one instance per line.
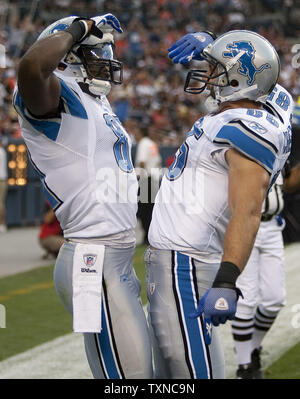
[208, 209]
[175, 284]
[122, 348]
[83, 156]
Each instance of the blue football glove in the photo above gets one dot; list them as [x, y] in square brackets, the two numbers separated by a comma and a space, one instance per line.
[190, 47]
[217, 305]
[111, 20]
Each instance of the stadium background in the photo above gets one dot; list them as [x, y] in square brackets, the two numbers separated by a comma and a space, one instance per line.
[152, 94]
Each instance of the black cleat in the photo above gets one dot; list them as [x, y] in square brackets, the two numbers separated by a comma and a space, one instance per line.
[245, 372]
[256, 364]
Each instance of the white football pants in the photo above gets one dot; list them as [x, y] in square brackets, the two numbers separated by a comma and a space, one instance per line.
[175, 283]
[263, 279]
[122, 349]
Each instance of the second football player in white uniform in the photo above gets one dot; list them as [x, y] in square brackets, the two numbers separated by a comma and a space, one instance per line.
[83, 155]
[208, 209]
[268, 247]
[263, 279]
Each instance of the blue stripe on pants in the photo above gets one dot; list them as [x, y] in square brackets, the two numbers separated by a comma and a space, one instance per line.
[106, 349]
[192, 327]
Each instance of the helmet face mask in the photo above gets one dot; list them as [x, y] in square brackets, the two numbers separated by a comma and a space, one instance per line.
[99, 63]
[198, 80]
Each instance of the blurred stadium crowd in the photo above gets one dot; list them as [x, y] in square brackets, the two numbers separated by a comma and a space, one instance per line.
[152, 94]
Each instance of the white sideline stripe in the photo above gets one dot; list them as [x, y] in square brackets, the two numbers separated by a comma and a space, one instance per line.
[64, 357]
[282, 335]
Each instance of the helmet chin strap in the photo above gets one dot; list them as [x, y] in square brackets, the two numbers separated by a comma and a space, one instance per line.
[211, 104]
[237, 95]
[98, 87]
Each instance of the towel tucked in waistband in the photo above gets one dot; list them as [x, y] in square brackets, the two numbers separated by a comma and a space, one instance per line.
[87, 287]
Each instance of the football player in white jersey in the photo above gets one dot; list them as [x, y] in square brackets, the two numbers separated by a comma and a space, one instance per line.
[263, 280]
[208, 208]
[83, 155]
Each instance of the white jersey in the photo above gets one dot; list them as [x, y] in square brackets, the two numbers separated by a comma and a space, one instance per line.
[84, 160]
[191, 210]
[281, 104]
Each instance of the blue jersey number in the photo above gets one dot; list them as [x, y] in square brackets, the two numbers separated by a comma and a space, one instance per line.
[255, 112]
[282, 100]
[121, 146]
[179, 162]
[259, 114]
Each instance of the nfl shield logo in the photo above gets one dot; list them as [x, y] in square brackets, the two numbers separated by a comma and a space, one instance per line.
[89, 259]
[152, 288]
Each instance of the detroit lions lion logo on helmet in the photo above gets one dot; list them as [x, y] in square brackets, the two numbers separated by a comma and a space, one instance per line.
[247, 67]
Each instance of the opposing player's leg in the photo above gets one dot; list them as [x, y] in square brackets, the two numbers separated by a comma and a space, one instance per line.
[122, 349]
[175, 283]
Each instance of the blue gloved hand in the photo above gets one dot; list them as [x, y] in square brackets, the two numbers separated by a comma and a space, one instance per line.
[109, 19]
[217, 305]
[190, 47]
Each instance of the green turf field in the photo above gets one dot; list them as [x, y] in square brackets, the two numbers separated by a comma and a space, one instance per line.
[139, 265]
[34, 315]
[287, 367]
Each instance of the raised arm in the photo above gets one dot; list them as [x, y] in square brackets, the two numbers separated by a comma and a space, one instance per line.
[38, 86]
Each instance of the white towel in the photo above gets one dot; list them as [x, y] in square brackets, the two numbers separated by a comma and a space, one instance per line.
[87, 287]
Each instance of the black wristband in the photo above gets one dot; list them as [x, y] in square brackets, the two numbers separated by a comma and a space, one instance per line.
[78, 30]
[227, 275]
[211, 34]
